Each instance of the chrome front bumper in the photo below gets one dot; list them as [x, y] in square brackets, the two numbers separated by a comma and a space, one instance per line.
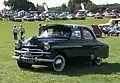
[33, 59]
[26, 56]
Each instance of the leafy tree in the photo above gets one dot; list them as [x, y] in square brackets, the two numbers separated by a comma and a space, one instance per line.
[20, 5]
[115, 6]
[40, 8]
[63, 7]
[75, 5]
[56, 9]
[71, 6]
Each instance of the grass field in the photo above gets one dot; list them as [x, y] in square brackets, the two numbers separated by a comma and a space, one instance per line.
[109, 72]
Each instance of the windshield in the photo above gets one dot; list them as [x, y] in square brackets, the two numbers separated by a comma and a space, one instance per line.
[58, 32]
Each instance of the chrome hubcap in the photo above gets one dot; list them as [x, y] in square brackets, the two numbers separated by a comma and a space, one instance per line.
[98, 61]
[59, 63]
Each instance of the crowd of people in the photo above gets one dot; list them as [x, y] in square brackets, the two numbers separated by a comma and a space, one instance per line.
[16, 31]
[110, 30]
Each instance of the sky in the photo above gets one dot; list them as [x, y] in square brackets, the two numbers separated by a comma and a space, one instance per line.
[54, 3]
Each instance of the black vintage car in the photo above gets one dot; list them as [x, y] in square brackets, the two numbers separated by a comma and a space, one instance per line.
[57, 44]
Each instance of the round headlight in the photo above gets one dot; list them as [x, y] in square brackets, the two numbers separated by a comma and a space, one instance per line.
[46, 46]
[17, 45]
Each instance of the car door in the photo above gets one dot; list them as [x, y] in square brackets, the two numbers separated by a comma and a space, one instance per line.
[75, 43]
[89, 42]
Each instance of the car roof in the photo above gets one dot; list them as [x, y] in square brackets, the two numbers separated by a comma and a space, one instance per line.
[68, 25]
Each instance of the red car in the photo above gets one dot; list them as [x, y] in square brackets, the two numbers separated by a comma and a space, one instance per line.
[79, 16]
[98, 16]
[110, 15]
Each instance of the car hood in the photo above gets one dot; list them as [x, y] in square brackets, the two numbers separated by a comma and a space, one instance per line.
[38, 40]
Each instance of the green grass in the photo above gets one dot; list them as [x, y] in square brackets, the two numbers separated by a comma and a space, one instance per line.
[109, 72]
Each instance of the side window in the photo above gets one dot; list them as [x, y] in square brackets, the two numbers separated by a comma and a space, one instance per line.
[76, 34]
[87, 34]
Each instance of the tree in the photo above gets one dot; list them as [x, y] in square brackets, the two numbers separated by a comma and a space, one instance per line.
[75, 5]
[40, 8]
[115, 6]
[19, 5]
[71, 6]
[56, 9]
[63, 7]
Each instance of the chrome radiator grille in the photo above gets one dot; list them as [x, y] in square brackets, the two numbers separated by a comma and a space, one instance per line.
[30, 52]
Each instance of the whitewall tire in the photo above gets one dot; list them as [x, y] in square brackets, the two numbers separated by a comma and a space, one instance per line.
[59, 63]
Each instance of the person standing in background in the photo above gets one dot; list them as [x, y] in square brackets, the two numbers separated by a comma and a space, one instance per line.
[22, 31]
[15, 32]
[40, 29]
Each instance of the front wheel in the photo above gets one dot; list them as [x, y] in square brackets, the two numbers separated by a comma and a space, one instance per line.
[24, 65]
[97, 61]
[59, 63]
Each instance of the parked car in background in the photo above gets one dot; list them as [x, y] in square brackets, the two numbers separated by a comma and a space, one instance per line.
[90, 14]
[110, 15]
[52, 17]
[28, 18]
[71, 17]
[38, 18]
[16, 19]
[80, 16]
[111, 27]
[115, 31]
[98, 16]
[62, 17]
[59, 43]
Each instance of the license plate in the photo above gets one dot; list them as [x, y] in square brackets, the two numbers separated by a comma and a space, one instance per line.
[27, 60]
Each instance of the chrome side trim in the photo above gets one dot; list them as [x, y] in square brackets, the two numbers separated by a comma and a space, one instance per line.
[76, 46]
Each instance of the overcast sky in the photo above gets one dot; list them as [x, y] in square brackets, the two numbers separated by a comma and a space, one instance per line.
[53, 3]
